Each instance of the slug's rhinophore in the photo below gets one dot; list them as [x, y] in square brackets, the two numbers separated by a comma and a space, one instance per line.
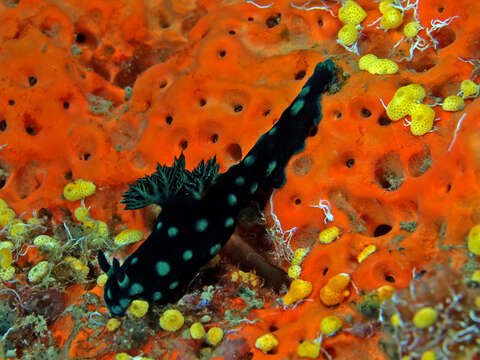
[200, 208]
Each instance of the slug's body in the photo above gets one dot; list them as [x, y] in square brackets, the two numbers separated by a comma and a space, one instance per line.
[200, 209]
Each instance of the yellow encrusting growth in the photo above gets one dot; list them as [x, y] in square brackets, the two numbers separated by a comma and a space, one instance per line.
[266, 342]
[308, 349]
[122, 356]
[395, 320]
[376, 66]
[78, 189]
[425, 317]
[138, 308]
[351, 13]
[330, 325]
[128, 236]
[422, 119]
[328, 235]
[453, 103]
[197, 331]
[102, 279]
[428, 355]
[299, 289]
[385, 292]
[384, 5]
[368, 250]
[392, 18]
[39, 271]
[46, 242]
[171, 320]
[6, 215]
[294, 271]
[476, 276]
[348, 34]
[299, 255]
[473, 240]
[411, 29]
[469, 89]
[77, 265]
[214, 335]
[335, 290]
[113, 324]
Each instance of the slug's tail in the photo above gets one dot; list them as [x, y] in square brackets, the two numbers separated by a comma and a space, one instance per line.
[287, 137]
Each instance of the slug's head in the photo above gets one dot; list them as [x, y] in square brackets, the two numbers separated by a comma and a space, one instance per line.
[117, 289]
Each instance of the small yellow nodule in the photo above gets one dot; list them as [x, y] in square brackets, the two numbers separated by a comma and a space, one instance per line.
[473, 240]
[299, 289]
[453, 103]
[328, 235]
[197, 331]
[308, 349]
[214, 335]
[266, 342]
[138, 308]
[330, 325]
[113, 324]
[171, 320]
[425, 317]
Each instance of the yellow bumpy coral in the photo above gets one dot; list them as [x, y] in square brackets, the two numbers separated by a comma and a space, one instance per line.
[128, 236]
[425, 317]
[138, 308]
[113, 324]
[328, 235]
[473, 240]
[422, 119]
[453, 103]
[214, 335]
[348, 34]
[171, 320]
[391, 19]
[335, 290]
[197, 331]
[299, 255]
[351, 13]
[79, 189]
[376, 66]
[294, 271]
[38, 272]
[308, 349]
[469, 89]
[411, 29]
[367, 251]
[266, 342]
[330, 325]
[299, 289]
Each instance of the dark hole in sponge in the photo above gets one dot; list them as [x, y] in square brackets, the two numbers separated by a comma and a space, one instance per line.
[300, 75]
[235, 152]
[389, 278]
[384, 121]
[222, 53]
[366, 113]
[183, 144]
[350, 162]
[214, 138]
[32, 80]
[80, 38]
[273, 20]
[3, 125]
[381, 230]
[169, 119]
[237, 108]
